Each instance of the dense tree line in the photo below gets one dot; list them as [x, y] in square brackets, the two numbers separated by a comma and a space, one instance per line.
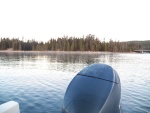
[88, 43]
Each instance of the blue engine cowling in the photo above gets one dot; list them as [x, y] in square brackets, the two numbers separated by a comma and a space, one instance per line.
[95, 89]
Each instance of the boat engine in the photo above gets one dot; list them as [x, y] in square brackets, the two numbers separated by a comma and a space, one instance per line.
[95, 89]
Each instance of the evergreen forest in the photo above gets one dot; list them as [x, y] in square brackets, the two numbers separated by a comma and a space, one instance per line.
[87, 43]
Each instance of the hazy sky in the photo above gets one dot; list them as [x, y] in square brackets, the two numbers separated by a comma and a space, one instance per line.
[43, 19]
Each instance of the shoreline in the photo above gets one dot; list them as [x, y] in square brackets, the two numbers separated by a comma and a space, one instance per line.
[87, 52]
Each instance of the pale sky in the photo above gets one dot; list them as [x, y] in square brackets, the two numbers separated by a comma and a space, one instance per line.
[44, 19]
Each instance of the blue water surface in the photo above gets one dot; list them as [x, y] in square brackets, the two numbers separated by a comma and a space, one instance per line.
[38, 80]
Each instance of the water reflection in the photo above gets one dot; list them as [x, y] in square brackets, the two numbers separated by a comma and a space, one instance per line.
[38, 80]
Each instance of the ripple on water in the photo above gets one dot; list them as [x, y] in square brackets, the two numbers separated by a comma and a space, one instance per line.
[38, 82]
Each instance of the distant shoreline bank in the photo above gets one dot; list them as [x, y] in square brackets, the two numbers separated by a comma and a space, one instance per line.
[90, 43]
[86, 52]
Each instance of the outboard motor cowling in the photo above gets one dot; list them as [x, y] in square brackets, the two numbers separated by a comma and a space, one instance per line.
[95, 89]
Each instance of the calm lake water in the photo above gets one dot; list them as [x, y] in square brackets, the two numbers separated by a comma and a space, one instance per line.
[38, 81]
